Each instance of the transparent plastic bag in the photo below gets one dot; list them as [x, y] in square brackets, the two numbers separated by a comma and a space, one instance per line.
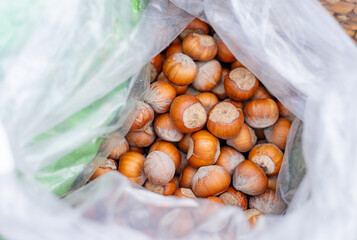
[300, 54]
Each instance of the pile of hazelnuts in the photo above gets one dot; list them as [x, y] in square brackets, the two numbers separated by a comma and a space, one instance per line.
[203, 116]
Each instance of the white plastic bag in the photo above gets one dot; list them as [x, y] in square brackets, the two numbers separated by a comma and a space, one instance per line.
[303, 57]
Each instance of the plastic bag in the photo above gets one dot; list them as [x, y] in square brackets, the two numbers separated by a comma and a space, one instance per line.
[302, 56]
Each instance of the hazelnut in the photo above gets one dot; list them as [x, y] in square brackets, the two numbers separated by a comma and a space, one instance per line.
[180, 69]
[223, 53]
[225, 120]
[284, 112]
[107, 166]
[143, 118]
[186, 176]
[121, 148]
[131, 166]
[235, 103]
[210, 181]
[159, 168]
[261, 93]
[160, 96]
[229, 159]
[188, 114]
[184, 193]
[236, 64]
[272, 182]
[245, 139]
[253, 215]
[208, 76]
[179, 89]
[216, 200]
[196, 26]
[278, 133]
[261, 113]
[235, 198]
[169, 149]
[166, 190]
[174, 48]
[240, 84]
[268, 157]
[203, 150]
[156, 66]
[208, 99]
[141, 138]
[136, 149]
[165, 128]
[199, 46]
[249, 178]
[219, 88]
[185, 142]
[267, 203]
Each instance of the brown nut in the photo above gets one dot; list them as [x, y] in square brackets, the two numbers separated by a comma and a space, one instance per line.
[229, 159]
[136, 149]
[199, 46]
[219, 88]
[244, 140]
[160, 96]
[268, 157]
[236, 64]
[235, 198]
[184, 193]
[143, 118]
[207, 99]
[267, 203]
[159, 168]
[131, 165]
[174, 48]
[272, 182]
[235, 103]
[122, 148]
[165, 128]
[141, 138]
[108, 166]
[240, 84]
[284, 112]
[261, 93]
[253, 216]
[249, 178]
[210, 181]
[179, 89]
[208, 76]
[261, 113]
[196, 26]
[169, 149]
[166, 190]
[180, 69]
[223, 53]
[156, 66]
[186, 176]
[203, 150]
[188, 114]
[185, 142]
[216, 200]
[278, 133]
[225, 120]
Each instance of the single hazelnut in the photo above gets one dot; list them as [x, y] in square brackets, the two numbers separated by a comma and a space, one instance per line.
[284, 112]
[159, 168]
[261, 113]
[174, 48]
[185, 142]
[240, 84]
[268, 157]
[216, 200]
[165, 128]
[235, 198]
[223, 53]
[156, 66]
[144, 116]
[253, 216]
[272, 182]
[229, 159]
[169, 149]
[278, 133]
[184, 193]
[199, 46]
[236, 64]
[160, 96]
[141, 138]
[249, 178]
[210, 181]
[208, 99]
[183, 163]
[219, 88]
[179, 89]
[203, 150]
[196, 26]
[121, 148]
[107, 166]
[186, 176]
[137, 149]
[235, 103]
[166, 190]
[180, 69]
[175, 41]
[188, 114]
[267, 203]
[225, 120]
[244, 140]
[208, 76]
[261, 93]
[131, 165]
